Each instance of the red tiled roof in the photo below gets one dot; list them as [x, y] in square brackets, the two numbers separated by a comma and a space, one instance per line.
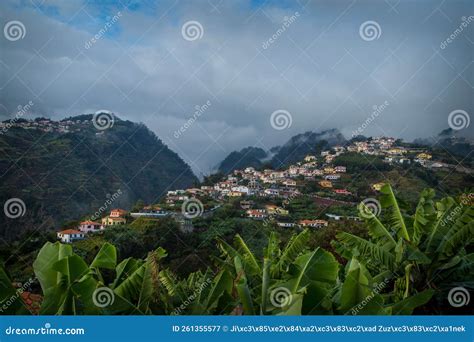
[119, 210]
[90, 223]
[70, 231]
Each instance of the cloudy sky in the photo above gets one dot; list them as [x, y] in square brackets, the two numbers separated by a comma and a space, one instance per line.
[317, 64]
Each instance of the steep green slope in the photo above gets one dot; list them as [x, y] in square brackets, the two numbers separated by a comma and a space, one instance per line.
[63, 176]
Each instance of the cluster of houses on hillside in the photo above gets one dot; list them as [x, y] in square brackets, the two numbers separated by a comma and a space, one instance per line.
[267, 184]
[47, 125]
[383, 146]
[273, 212]
[116, 217]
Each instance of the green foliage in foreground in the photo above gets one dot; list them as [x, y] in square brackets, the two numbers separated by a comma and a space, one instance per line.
[406, 261]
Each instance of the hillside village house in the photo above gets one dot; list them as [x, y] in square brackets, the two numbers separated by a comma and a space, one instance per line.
[70, 235]
[332, 177]
[326, 184]
[286, 224]
[89, 226]
[116, 217]
[152, 211]
[329, 170]
[340, 169]
[272, 192]
[275, 210]
[313, 223]
[309, 158]
[424, 156]
[235, 194]
[329, 158]
[256, 214]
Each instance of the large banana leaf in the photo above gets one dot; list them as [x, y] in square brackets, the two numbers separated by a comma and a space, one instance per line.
[137, 288]
[390, 204]
[448, 211]
[296, 246]
[243, 289]
[315, 273]
[425, 216]
[358, 296]
[461, 233]
[106, 257]
[247, 255]
[377, 230]
[407, 305]
[55, 280]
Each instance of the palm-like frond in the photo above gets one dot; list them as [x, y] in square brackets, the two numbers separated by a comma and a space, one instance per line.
[390, 204]
[295, 247]
[169, 281]
[448, 212]
[247, 256]
[460, 234]
[368, 251]
[425, 216]
[379, 232]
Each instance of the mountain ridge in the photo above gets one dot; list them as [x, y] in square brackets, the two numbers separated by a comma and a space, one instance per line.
[62, 171]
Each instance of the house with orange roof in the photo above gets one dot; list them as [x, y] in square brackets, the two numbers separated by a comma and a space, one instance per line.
[113, 221]
[70, 235]
[89, 226]
[118, 213]
[116, 217]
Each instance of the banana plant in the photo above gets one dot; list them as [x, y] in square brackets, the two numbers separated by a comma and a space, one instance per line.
[288, 281]
[430, 249]
[70, 286]
[198, 294]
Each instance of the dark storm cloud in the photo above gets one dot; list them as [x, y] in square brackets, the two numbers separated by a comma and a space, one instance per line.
[247, 64]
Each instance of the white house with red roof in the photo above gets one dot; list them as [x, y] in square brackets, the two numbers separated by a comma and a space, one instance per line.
[89, 226]
[70, 235]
